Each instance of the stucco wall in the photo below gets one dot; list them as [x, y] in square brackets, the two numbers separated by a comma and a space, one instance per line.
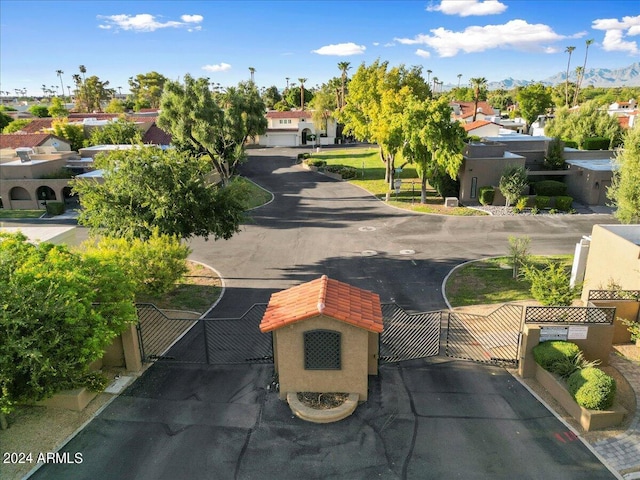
[487, 171]
[31, 186]
[351, 378]
[612, 257]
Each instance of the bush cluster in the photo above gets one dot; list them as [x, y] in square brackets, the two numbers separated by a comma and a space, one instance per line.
[486, 195]
[542, 202]
[316, 162]
[347, 173]
[564, 203]
[550, 355]
[550, 188]
[55, 208]
[303, 156]
[596, 143]
[592, 388]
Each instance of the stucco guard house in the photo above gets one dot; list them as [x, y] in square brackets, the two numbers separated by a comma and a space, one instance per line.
[325, 337]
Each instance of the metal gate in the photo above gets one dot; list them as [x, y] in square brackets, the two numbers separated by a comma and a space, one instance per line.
[492, 338]
[408, 336]
[205, 340]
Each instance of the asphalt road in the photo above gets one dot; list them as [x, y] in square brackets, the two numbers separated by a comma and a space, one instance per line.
[434, 418]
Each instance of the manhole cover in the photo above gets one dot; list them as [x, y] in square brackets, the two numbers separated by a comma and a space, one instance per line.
[407, 252]
[369, 253]
[367, 229]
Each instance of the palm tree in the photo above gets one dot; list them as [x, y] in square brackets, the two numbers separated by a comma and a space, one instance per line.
[343, 66]
[83, 70]
[60, 73]
[584, 66]
[579, 73]
[568, 50]
[252, 71]
[287, 89]
[478, 83]
[429, 72]
[302, 80]
[435, 82]
[459, 77]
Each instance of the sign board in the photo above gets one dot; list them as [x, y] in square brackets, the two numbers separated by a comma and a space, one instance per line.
[553, 333]
[578, 332]
[397, 184]
[398, 170]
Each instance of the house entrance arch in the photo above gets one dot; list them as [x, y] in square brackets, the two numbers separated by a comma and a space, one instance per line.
[305, 133]
[19, 193]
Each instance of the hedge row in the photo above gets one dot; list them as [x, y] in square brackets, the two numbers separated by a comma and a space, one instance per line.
[347, 173]
[549, 188]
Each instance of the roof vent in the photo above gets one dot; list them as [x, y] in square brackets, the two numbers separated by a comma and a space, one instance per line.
[24, 153]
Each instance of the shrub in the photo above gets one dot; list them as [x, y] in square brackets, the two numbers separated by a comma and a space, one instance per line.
[564, 203]
[316, 162]
[535, 210]
[346, 173]
[596, 143]
[445, 185]
[592, 388]
[55, 208]
[512, 182]
[550, 286]
[633, 328]
[570, 144]
[550, 188]
[567, 366]
[486, 195]
[520, 205]
[542, 202]
[303, 156]
[548, 354]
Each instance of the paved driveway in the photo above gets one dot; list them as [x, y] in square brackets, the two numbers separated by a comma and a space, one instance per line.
[434, 418]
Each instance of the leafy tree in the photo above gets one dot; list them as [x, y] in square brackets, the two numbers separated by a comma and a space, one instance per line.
[518, 253]
[512, 182]
[146, 191]
[154, 265]
[214, 127]
[625, 185]
[60, 310]
[554, 159]
[324, 104]
[375, 107]
[551, 285]
[16, 125]
[91, 92]
[115, 106]
[120, 132]
[534, 100]
[587, 122]
[271, 96]
[500, 98]
[39, 111]
[69, 131]
[146, 89]
[431, 140]
[294, 94]
[4, 120]
[57, 109]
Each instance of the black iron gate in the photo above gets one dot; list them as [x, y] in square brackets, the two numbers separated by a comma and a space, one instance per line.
[203, 340]
[408, 336]
[492, 338]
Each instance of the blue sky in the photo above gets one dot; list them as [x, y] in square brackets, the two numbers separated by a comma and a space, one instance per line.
[495, 39]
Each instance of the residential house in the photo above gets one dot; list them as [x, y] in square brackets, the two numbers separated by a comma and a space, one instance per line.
[482, 128]
[464, 111]
[295, 128]
[626, 112]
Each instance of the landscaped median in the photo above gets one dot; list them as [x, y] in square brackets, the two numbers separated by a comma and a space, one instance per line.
[369, 173]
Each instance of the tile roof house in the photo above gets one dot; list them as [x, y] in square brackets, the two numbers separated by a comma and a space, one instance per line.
[31, 140]
[293, 128]
[481, 128]
[325, 337]
[463, 111]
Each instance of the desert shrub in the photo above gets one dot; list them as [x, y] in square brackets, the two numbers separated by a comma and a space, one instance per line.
[592, 388]
[316, 162]
[346, 173]
[547, 354]
[535, 210]
[564, 203]
[550, 188]
[520, 205]
[551, 286]
[568, 365]
[542, 202]
[596, 143]
[486, 195]
[633, 327]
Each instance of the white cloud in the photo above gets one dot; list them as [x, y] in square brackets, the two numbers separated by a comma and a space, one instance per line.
[145, 22]
[341, 49]
[423, 53]
[375, 44]
[616, 31]
[466, 8]
[515, 34]
[220, 67]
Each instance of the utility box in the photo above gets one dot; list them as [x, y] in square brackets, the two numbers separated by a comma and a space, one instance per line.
[451, 202]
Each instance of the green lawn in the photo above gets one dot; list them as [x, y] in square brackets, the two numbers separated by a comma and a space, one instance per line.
[21, 213]
[491, 281]
[371, 178]
[257, 196]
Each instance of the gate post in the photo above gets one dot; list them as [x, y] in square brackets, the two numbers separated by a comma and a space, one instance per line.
[131, 345]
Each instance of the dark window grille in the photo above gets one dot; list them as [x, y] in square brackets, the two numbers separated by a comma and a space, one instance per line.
[322, 350]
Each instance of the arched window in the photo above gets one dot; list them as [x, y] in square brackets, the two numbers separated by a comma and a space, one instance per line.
[19, 193]
[322, 350]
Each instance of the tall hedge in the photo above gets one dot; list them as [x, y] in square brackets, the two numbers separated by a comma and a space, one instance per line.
[550, 188]
[596, 143]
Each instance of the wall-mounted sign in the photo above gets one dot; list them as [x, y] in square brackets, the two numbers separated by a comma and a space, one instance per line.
[578, 332]
[553, 333]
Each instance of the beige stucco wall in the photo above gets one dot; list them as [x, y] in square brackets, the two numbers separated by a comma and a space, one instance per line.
[614, 255]
[355, 355]
[626, 309]
[588, 186]
[487, 170]
[596, 346]
[31, 186]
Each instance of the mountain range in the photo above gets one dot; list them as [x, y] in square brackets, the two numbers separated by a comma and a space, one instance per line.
[598, 77]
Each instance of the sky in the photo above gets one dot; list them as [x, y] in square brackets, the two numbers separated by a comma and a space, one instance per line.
[494, 39]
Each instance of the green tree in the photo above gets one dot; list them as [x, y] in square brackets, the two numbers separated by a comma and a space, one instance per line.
[120, 132]
[587, 122]
[60, 310]
[57, 109]
[479, 85]
[551, 285]
[69, 131]
[431, 140]
[534, 100]
[4, 120]
[91, 93]
[581, 70]
[40, 111]
[16, 125]
[512, 182]
[115, 106]
[323, 104]
[625, 185]
[154, 265]
[146, 88]
[375, 106]
[215, 127]
[294, 94]
[554, 159]
[271, 96]
[518, 253]
[344, 68]
[146, 191]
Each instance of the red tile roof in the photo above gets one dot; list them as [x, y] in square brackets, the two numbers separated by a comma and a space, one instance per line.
[323, 296]
[17, 140]
[37, 125]
[156, 136]
[289, 114]
[477, 124]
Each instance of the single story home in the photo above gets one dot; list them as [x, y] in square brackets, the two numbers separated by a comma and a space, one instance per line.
[295, 128]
